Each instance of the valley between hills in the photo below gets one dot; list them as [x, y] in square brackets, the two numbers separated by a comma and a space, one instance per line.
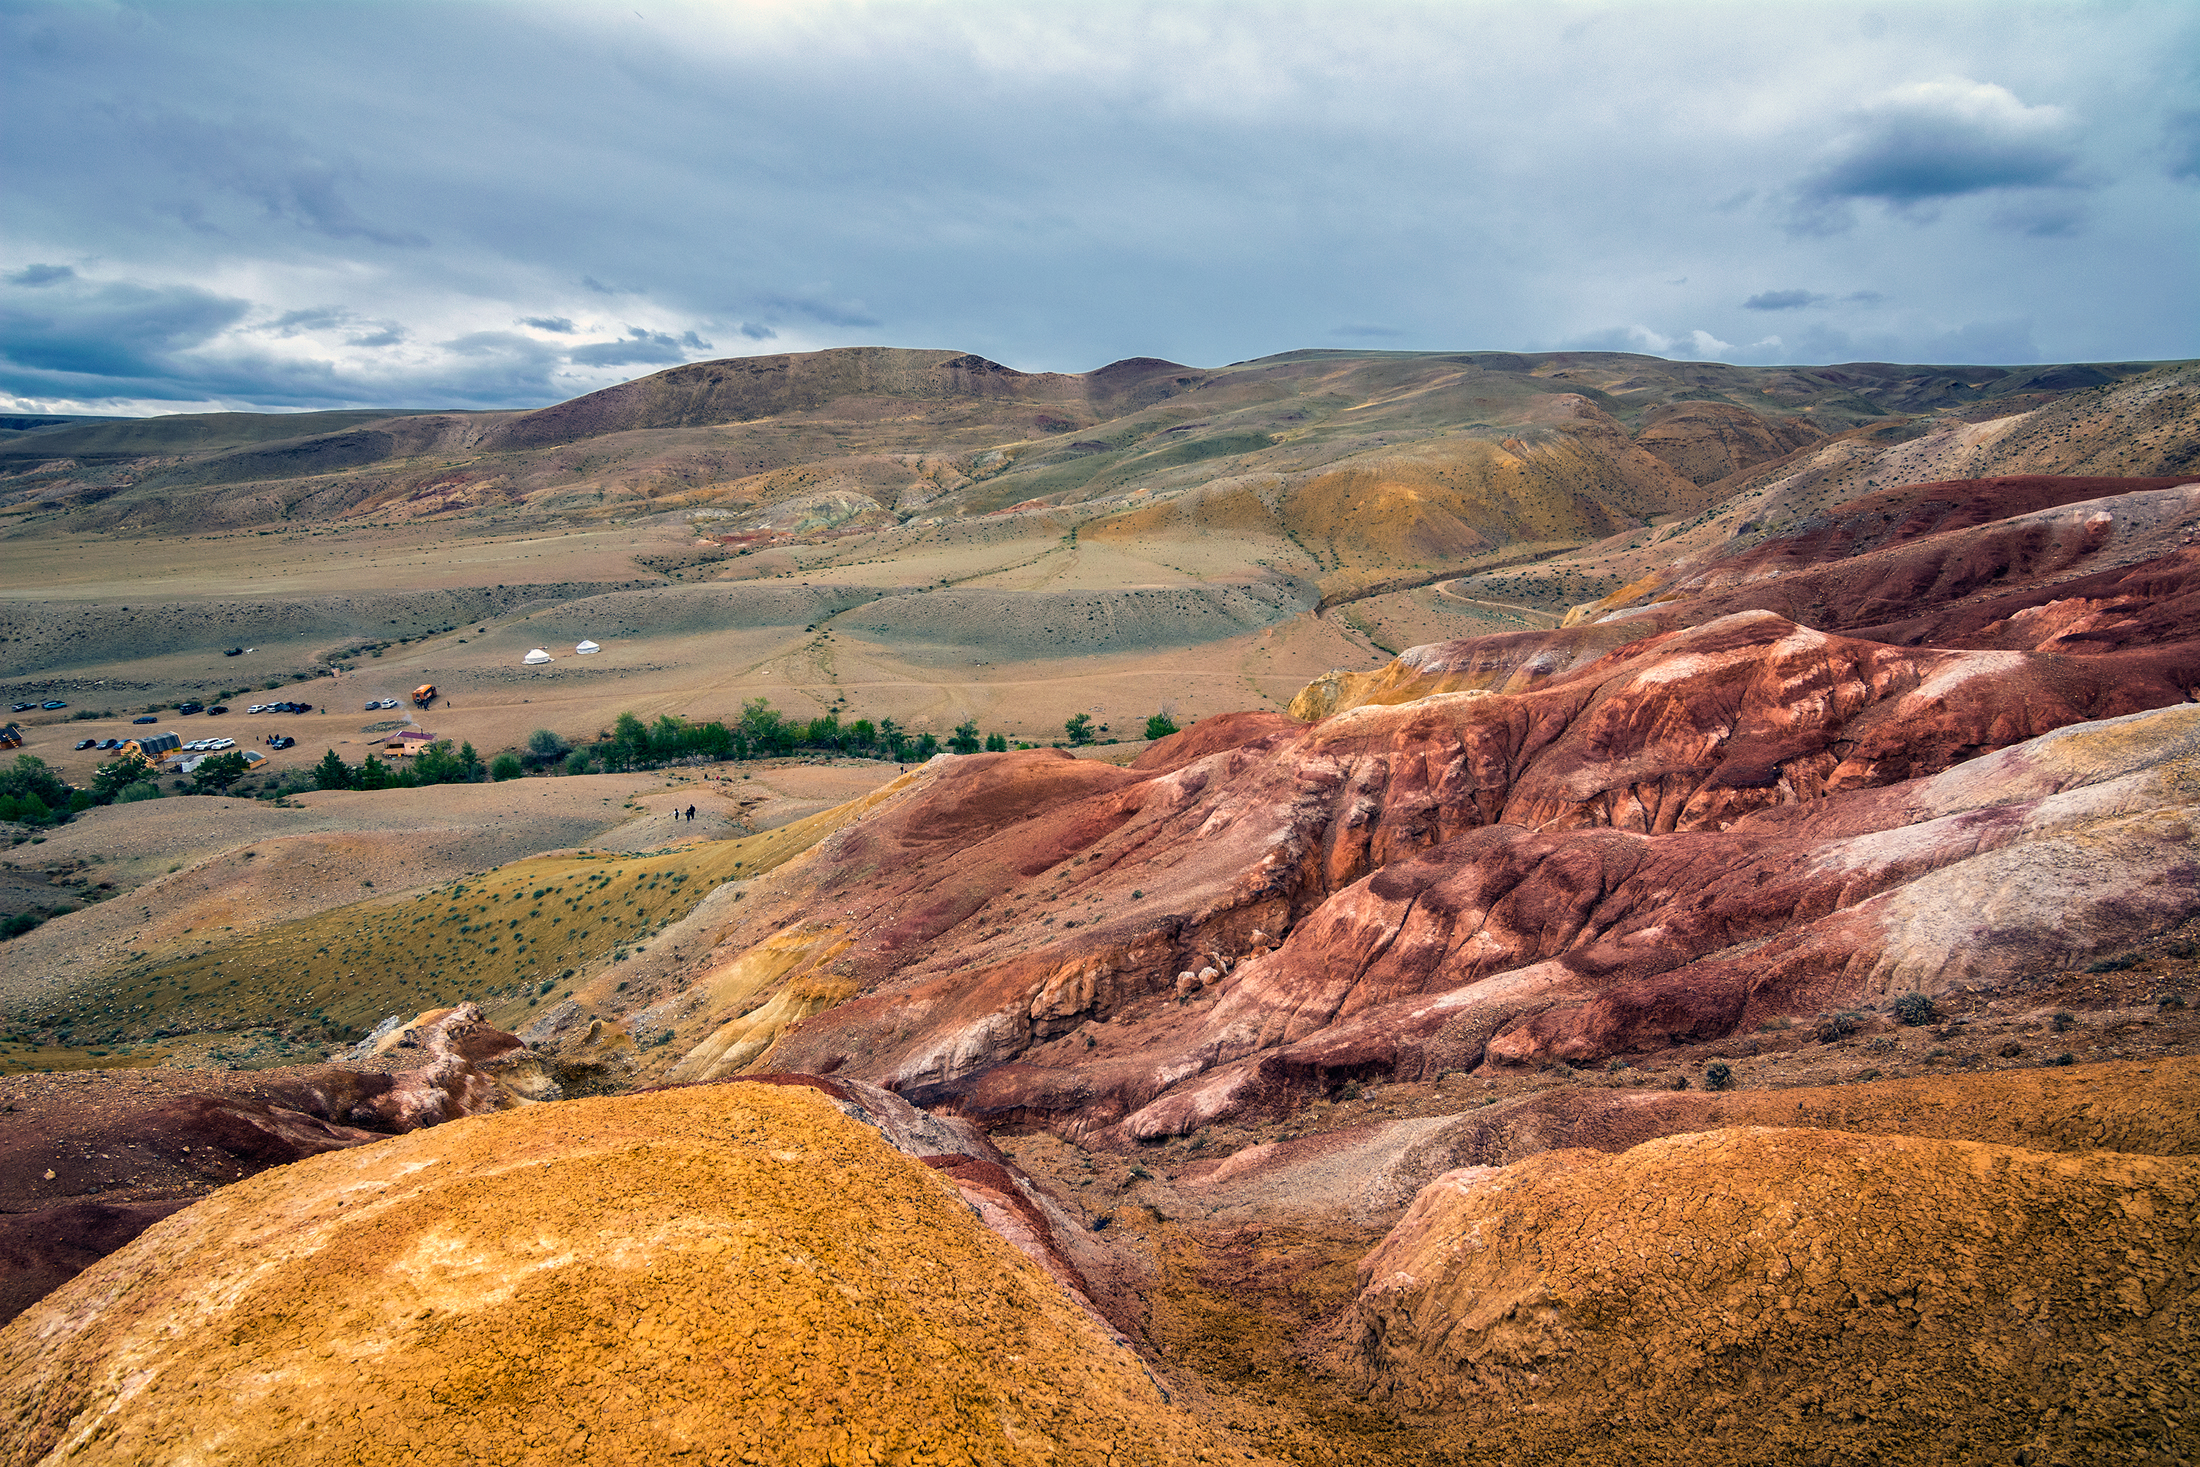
[1610, 911]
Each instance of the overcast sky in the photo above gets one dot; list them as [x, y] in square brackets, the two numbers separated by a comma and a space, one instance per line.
[306, 205]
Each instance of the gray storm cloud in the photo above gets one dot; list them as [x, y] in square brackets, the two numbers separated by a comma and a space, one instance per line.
[1938, 140]
[485, 205]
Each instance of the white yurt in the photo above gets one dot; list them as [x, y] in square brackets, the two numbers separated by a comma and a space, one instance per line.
[584, 648]
[536, 658]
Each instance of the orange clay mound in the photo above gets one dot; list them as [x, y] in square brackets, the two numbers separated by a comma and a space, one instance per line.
[1770, 1295]
[723, 1275]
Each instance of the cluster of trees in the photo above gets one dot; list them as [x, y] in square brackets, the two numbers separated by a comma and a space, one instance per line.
[439, 763]
[32, 794]
[1080, 731]
[761, 732]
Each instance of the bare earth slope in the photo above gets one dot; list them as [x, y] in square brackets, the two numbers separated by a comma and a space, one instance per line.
[1776, 1293]
[733, 1271]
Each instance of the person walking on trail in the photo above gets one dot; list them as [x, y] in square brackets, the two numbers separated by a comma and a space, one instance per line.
[691, 814]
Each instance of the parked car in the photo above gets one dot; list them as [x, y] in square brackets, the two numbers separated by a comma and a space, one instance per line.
[20, 708]
[148, 718]
[83, 744]
[110, 743]
[190, 708]
[280, 741]
[52, 703]
[217, 708]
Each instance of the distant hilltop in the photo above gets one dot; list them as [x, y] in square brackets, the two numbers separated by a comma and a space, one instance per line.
[1369, 460]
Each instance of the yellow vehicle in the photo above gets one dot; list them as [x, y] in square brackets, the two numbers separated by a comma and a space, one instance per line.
[423, 695]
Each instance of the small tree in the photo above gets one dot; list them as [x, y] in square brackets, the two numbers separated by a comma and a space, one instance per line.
[760, 729]
[218, 772]
[1079, 728]
[372, 774]
[1160, 726]
[577, 762]
[629, 743]
[996, 743]
[332, 773]
[545, 747]
[470, 763]
[505, 766]
[112, 779]
[927, 746]
[965, 739]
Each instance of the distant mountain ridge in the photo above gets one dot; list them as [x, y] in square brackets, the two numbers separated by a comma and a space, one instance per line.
[1370, 461]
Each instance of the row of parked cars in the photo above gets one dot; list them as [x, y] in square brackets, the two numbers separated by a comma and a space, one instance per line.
[197, 746]
[282, 708]
[55, 703]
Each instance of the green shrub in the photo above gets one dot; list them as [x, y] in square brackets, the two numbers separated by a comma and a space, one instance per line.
[1915, 1009]
[1719, 1075]
[1832, 1028]
[1160, 726]
[144, 789]
[505, 766]
[19, 924]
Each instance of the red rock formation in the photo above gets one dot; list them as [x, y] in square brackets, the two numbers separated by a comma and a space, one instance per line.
[1701, 829]
[1546, 846]
[1955, 565]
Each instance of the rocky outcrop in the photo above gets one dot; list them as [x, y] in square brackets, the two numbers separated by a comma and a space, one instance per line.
[94, 1159]
[744, 1272]
[1946, 563]
[1703, 829]
[1370, 1173]
[1764, 1293]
